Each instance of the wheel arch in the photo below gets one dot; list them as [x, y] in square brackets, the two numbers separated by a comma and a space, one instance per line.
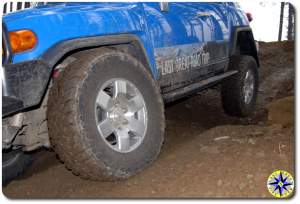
[243, 43]
[128, 43]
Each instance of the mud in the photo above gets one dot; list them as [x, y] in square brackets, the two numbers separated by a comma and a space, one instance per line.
[206, 154]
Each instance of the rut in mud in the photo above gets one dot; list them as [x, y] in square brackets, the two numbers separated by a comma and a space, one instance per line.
[206, 153]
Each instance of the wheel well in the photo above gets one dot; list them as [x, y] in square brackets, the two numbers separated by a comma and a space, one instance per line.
[133, 48]
[245, 45]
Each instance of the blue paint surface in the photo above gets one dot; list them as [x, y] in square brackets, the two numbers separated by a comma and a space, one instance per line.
[183, 23]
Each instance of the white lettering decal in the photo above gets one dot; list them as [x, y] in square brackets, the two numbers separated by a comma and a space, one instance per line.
[184, 63]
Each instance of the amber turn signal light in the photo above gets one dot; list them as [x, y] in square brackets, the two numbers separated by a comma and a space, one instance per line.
[22, 40]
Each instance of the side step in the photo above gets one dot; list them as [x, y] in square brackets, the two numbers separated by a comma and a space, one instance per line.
[195, 87]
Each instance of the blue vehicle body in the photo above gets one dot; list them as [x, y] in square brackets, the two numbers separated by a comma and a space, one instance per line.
[184, 37]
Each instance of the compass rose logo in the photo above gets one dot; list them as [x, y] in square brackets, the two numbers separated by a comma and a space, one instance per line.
[280, 184]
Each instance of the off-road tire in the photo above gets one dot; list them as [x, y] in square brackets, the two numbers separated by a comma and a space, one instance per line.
[14, 163]
[232, 88]
[72, 129]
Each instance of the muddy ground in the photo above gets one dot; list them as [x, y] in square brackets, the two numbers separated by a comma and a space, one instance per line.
[206, 154]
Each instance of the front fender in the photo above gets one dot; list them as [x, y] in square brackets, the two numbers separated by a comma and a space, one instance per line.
[55, 24]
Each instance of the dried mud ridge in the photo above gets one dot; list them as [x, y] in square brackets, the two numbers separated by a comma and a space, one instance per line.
[206, 153]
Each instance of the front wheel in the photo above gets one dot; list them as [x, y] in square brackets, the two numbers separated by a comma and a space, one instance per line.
[239, 92]
[106, 115]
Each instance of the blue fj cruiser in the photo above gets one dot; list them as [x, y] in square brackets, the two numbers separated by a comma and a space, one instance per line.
[90, 80]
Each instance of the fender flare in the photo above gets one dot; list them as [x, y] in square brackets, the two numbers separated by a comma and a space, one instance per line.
[234, 39]
[58, 51]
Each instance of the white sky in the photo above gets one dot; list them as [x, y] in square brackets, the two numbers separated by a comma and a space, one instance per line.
[265, 24]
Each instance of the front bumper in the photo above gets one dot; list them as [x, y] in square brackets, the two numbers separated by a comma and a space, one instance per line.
[25, 83]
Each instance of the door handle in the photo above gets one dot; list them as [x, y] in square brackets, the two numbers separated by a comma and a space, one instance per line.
[203, 14]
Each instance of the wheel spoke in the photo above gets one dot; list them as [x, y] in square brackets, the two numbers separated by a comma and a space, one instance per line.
[103, 100]
[123, 139]
[248, 87]
[137, 126]
[247, 76]
[105, 128]
[119, 87]
[135, 104]
[247, 97]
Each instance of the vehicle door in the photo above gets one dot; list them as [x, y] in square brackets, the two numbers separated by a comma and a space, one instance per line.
[216, 16]
[178, 36]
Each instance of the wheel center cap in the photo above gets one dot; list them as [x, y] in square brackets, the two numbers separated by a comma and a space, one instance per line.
[117, 115]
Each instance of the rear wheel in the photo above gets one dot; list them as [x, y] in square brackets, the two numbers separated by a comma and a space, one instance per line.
[106, 115]
[239, 92]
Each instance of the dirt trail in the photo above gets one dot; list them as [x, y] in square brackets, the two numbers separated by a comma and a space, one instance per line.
[206, 153]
